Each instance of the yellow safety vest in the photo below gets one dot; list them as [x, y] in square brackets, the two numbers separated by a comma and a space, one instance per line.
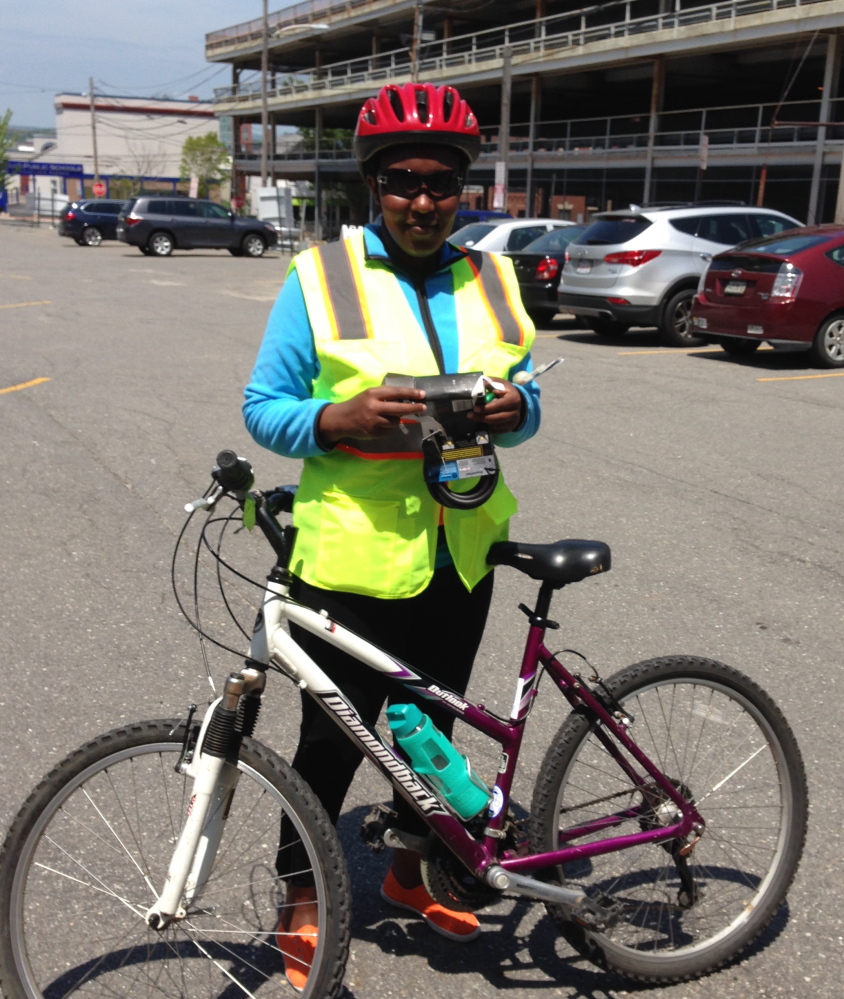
[367, 523]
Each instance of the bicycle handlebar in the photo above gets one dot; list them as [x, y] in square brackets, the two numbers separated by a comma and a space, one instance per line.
[234, 474]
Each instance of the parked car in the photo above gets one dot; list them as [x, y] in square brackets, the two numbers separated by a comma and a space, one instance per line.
[497, 235]
[785, 289]
[538, 267]
[467, 216]
[91, 221]
[157, 225]
[641, 267]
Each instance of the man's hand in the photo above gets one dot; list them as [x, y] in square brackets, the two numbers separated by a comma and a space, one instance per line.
[504, 412]
[373, 413]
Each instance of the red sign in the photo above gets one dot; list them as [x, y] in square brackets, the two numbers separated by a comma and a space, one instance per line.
[99, 189]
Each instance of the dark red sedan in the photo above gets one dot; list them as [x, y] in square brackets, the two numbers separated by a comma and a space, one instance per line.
[786, 289]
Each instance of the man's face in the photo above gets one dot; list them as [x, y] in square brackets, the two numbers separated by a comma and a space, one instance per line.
[419, 221]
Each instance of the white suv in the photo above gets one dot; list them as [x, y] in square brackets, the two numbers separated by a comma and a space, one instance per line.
[641, 266]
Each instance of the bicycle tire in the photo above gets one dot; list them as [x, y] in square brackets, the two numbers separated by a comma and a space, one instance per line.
[81, 864]
[699, 721]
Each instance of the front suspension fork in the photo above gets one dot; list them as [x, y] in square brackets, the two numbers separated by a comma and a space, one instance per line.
[215, 776]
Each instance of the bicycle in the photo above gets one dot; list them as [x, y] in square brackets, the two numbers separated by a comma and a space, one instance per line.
[666, 824]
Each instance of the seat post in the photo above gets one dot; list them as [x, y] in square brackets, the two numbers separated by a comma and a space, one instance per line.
[543, 600]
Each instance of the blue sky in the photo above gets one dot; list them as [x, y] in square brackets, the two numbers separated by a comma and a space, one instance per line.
[147, 48]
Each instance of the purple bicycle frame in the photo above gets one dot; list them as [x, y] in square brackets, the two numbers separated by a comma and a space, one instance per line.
[479, 854]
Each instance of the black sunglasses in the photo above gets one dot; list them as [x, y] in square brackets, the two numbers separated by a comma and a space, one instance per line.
[407, 183]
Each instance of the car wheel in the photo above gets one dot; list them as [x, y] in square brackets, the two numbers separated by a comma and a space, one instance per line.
[675, 329]
[92, 236]
[253, 245]
[827, 349]
[79, 240]
[542, 317]
[160, 244]
[739, 347]
[606, 327]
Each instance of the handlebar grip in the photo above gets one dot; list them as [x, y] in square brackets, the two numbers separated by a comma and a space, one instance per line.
[233, 473]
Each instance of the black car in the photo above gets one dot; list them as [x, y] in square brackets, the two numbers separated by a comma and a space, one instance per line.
[90, 222]
[158, 225]
[538, 267]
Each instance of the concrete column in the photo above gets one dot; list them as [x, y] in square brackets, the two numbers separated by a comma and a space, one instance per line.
[831, 72]
[535, 113]
[503, 164]
[448, 31]
[657, 100]
[317, 179]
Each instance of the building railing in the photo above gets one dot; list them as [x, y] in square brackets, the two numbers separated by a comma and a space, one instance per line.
[250, 32]
[538, 37]
[746, 127]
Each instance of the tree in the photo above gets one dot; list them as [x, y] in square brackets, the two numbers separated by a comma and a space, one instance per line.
[205, 157]
[6, 143]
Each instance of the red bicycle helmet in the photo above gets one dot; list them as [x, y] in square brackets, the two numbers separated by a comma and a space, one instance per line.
[416, 113]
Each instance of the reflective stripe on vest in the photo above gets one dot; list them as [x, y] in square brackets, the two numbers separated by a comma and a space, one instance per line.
[370, 526]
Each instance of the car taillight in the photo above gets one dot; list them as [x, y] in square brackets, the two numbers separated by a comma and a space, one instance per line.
[131, 220]
[547, 269]
[568, 256]
[634, 258]
[70, 215]
[787, 283]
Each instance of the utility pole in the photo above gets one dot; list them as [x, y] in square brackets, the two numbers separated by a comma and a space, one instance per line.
[265, 117]
[416, 41]
[93, 135]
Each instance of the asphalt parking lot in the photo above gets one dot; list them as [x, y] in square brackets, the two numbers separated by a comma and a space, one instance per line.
[718, 485]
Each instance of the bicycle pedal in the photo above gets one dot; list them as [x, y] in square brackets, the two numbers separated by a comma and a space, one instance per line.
[375, 825]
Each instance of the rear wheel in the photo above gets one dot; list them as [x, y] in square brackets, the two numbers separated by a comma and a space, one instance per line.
[606, 327]
[92, 236]
[88, 854]
[160, 244]
[675, 328]
[724, 743]
[738, 347]
[827, 349]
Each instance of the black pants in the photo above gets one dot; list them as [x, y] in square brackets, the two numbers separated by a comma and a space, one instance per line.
[437, 632]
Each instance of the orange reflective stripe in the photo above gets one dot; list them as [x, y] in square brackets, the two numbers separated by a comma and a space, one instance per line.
[475, 261]
[496, 295]
[344, 291]
[380, 456]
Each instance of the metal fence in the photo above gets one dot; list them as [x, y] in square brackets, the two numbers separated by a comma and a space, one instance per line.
[543, 36]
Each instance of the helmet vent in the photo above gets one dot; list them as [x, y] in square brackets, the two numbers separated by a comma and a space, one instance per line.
[422, 105]
[370, 117]
[395, 102]
[448, 104]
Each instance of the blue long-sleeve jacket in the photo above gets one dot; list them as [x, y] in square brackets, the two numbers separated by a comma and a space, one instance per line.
[279, 409]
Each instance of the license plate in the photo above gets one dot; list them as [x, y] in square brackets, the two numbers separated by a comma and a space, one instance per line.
[735, 287]
[583, 267]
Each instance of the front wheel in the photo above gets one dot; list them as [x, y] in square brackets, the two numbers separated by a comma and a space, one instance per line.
[721, 740]
[253, 245]
[88, 854]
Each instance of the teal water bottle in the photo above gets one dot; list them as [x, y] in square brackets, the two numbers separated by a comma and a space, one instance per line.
[434, 757]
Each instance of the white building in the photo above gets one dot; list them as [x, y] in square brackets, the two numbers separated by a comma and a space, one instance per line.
[136, 137]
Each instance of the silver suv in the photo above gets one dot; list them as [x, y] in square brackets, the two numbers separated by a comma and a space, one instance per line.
[641, 266]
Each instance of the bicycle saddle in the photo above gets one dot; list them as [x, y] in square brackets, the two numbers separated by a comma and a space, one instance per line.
[558, 563]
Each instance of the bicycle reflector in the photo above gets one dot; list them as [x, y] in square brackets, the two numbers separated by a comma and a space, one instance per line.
[453, 447]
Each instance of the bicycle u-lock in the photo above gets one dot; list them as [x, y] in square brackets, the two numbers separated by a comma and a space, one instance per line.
[213, 768]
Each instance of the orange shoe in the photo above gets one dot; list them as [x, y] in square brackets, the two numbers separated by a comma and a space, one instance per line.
[297, 948]
[460, 926]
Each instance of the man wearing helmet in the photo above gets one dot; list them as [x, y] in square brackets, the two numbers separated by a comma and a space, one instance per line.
[373, 548]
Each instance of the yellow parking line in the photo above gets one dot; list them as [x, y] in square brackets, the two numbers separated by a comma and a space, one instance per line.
[671, 351]
[17, 277]
[20, 305]
[798, 378]
[23, 385]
